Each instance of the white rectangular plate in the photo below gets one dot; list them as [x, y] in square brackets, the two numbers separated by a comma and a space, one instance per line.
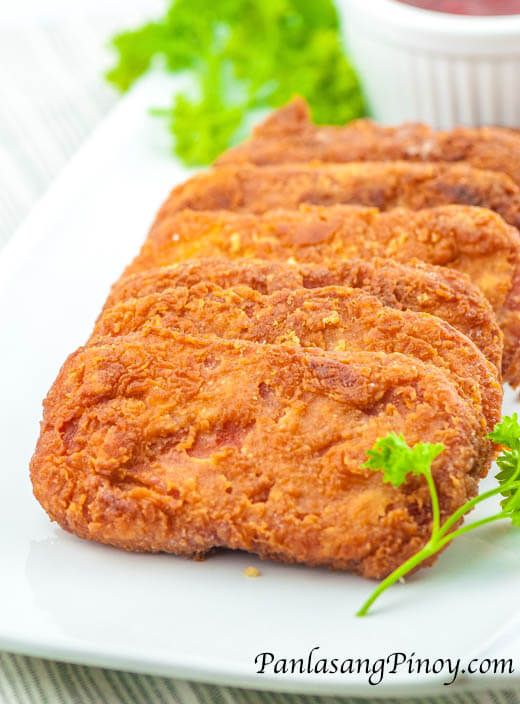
[67, 599]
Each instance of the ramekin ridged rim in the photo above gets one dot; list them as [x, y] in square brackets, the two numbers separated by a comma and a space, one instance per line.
[429, 29]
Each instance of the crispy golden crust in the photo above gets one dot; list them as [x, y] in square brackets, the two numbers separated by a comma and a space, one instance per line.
[383, 185]
[413, 286]
[288, 135]
[231, 404]
[153, 274]
[176, 444]
[332, 318]
[421, 287]
[475, 241]
[465, 238]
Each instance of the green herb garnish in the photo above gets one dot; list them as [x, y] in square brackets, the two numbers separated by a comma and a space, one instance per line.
[241, 57]
[396, 459]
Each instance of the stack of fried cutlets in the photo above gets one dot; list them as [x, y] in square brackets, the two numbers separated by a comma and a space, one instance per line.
[317, 289]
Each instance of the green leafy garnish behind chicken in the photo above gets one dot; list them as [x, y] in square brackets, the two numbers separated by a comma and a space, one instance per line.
[241, 57]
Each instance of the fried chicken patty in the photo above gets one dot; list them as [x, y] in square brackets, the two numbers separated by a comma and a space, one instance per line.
[383, 185]
[288, 135]
[178, 444]
[332, 318]
[473, 240]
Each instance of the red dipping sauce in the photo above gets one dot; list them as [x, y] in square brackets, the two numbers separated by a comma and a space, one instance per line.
[468, 7]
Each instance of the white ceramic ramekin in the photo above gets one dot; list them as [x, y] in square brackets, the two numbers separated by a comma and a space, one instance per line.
[443, 69]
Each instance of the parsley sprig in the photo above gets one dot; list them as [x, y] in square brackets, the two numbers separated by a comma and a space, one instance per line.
[397, 460]
[240, 57]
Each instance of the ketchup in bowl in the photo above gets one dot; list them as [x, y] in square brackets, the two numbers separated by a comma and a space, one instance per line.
[469, 7]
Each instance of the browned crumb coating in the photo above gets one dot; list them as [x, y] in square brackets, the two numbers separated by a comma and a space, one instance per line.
[473, 240]
[147, 445]
[229, 401]
[332, 318]
[414, 286]
[288, 135]
[384, 185]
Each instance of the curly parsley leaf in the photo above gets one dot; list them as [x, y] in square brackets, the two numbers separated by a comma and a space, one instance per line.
[396, 459]
[241, 57]
[507, 432]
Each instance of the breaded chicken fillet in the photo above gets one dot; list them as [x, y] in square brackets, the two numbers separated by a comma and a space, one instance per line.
[384, 185]
[178, 444]
[475, 241]
[472, 240]
[415, 286]
[288, 135]
[332, 318]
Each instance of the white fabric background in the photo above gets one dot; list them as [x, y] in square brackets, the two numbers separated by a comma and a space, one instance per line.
[52, 56]
[52, 95]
